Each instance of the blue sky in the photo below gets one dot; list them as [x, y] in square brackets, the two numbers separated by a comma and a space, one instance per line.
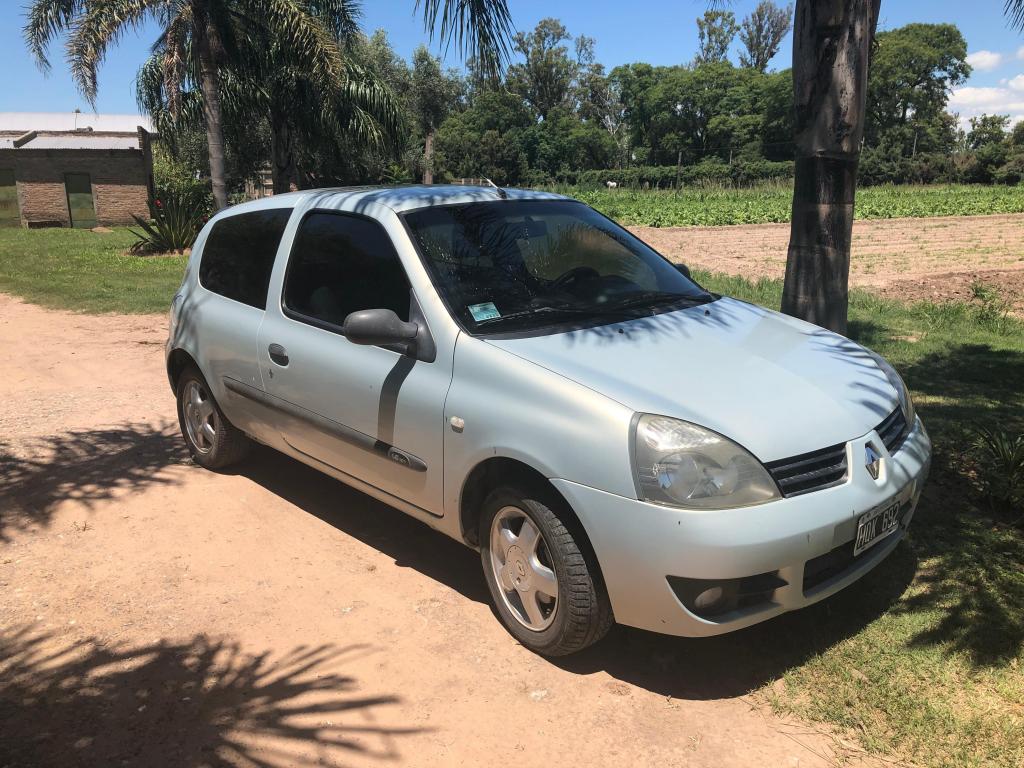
[657, 31]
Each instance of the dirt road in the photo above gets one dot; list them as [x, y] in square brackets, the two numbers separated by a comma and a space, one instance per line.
[933, 259]
[156, 614]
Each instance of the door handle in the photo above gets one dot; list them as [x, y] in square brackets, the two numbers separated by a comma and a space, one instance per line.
[277, 354]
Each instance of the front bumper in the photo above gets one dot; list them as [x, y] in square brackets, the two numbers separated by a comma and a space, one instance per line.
[806, 541]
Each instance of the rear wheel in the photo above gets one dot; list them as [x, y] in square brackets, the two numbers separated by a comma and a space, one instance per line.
[211, 439]
[544, 589]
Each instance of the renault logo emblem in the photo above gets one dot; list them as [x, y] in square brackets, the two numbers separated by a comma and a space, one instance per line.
[873, 461]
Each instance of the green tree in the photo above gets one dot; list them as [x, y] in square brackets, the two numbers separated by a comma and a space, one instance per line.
[715, 33]
[215, 33]
[545, 78]
[762, 32]
[987, 130]
[435, 95]
[913, 70]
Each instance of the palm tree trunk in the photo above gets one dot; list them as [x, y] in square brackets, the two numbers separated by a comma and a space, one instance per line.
[210, 85]
[831, 47]
[282, 151]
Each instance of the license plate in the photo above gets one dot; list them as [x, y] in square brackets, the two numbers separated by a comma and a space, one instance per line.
[875, 525]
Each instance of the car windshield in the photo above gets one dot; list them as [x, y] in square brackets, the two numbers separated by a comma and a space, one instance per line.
[514, 265]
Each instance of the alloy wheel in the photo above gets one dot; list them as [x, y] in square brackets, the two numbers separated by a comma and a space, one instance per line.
[522, 568]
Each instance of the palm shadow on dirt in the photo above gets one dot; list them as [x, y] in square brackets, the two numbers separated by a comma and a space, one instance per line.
[89, 466]
[204, 702]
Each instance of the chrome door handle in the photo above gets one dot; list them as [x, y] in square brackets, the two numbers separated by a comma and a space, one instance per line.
[277, 354]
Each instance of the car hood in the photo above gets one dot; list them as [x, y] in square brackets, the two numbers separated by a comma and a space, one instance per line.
[776, 385]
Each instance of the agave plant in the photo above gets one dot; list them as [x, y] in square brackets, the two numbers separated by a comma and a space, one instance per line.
[1001, 460]
[176, 220]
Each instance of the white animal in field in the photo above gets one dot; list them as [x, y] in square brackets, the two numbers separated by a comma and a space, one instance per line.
[611, 184]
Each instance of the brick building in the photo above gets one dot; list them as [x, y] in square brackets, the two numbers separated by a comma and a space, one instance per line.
[73, 169]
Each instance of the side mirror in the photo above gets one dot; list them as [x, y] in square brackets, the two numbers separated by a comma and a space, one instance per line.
[378, 327]
[684, 271]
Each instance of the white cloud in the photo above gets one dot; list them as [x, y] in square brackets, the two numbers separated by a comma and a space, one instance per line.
[971, 101]
[985, 61]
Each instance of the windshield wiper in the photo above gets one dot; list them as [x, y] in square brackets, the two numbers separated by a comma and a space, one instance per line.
[659, 297]
[559, 309]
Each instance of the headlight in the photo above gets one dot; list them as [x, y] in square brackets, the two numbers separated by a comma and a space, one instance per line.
[906, 401]
[683, 465]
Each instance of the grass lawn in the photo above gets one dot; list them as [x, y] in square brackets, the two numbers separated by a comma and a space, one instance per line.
[711, 206]
[86, 271]
[922, 659]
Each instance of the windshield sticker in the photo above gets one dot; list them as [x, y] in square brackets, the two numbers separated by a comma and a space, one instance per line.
[485, 311]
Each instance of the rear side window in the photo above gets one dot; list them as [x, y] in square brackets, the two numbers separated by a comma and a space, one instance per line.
[239, 255]
[341, 264]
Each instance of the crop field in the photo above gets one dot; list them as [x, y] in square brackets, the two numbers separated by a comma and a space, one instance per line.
[770, 203]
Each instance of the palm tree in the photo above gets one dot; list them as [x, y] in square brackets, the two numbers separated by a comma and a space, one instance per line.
[269, 84]
[215, 33]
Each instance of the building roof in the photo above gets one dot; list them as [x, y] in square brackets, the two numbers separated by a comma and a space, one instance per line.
[397, 198]
[72, 121]
[82, 141]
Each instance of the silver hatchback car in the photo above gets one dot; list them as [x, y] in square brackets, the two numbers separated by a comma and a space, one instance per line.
[524, 375]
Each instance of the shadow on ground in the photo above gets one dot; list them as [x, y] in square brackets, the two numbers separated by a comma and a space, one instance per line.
[206, 702]
[704, 668]
[88, 466]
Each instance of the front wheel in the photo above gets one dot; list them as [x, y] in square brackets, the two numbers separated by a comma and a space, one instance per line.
[544, 589]
[211, 439]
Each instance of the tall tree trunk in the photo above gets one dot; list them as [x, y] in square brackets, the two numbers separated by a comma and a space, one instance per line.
[428, 158]
[831, 47]
[282, 143]
[210, 84]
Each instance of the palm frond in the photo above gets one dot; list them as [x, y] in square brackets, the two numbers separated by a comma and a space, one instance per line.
[47, 19]
[340, 16]
[298, 36]
[1014, 10]
[100, 26]
[480, 28]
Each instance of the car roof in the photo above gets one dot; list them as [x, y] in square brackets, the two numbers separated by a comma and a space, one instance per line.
[399, 198]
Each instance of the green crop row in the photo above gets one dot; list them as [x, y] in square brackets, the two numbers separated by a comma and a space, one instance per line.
[712, 206]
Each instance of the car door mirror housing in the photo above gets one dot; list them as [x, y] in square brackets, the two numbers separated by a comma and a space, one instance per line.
[378, 327]
[684, 270]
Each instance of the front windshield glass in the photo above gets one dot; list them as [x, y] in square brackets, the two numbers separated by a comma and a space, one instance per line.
[514, 265]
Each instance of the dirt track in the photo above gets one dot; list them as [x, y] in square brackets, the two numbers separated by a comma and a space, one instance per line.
[156, 614]
[933, 259]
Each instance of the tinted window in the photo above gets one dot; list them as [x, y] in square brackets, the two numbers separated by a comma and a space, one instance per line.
[239, 255]
[341, 264]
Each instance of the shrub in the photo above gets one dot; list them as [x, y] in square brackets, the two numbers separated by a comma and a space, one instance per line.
[1001, 466]
[176, 220]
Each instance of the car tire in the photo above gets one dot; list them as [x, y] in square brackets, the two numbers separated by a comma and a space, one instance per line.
[212, 440]
[520, 579]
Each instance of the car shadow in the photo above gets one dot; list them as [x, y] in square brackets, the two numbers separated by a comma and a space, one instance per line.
[684, 668]
[410, 543]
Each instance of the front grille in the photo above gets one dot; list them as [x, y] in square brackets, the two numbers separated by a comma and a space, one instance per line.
[810, 471]
[893, 430]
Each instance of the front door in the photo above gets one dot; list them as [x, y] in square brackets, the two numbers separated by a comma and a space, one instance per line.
[9, 215]
[373, 413]
[80, 202]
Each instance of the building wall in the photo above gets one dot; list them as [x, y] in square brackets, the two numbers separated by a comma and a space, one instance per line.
[119, 182]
